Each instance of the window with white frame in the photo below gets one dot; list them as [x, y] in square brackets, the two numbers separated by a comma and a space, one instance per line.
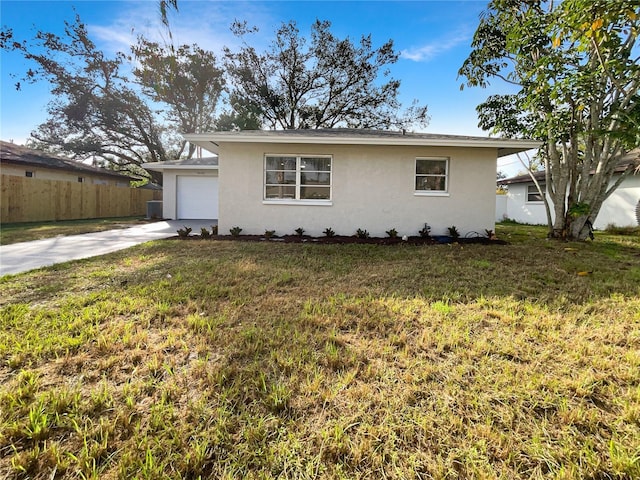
[431, 175]
[297, 177]
[533, 195]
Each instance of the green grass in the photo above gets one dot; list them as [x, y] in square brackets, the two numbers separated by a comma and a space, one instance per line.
[25, 232]
[205, 359]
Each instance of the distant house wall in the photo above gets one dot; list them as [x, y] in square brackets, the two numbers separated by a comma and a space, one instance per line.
[619, 209]
[514, 205]
[501, 207]
[372, 187]
[61, 175]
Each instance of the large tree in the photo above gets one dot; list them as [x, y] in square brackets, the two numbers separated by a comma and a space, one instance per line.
[99, 111]
[93, 112]
[325, 82]
[577, 70]
[186, 79]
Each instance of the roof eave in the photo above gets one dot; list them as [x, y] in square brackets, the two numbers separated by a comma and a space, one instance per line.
[160, 167]
[204, 141]
[505, 151]
[211, 142]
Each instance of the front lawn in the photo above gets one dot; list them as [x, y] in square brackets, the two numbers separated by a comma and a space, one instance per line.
[218, 359]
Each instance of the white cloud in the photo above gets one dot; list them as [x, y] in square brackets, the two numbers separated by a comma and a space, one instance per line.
[436, 48]
[203, 23]
[110, 38]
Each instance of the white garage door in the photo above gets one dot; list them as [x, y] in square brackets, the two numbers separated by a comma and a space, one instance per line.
[197, 197]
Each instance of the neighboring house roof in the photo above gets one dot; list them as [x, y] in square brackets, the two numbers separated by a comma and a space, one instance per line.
[151, 186]
[525, 178]
[19, 155]
[350, 136]
[205, 163]
[633, 158]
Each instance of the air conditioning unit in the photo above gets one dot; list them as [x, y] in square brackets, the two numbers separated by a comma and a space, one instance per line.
[154, 209]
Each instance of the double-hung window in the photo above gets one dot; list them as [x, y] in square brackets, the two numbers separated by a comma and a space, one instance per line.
[533, 195]
[297, 178]
[432, 175]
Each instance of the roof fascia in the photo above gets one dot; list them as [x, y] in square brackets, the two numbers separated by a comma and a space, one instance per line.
[211, 142]
[159, 168]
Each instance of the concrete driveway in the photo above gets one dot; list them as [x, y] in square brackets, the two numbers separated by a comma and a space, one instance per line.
[22, 257]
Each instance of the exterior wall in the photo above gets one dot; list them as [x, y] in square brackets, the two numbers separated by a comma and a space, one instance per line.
[619, 209]
[518, 209]
[169, 188]
[61, 175]
[372, 188]
[501, 207]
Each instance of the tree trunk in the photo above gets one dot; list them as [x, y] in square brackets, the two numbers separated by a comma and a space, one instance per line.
[559, 229]
[580, 228]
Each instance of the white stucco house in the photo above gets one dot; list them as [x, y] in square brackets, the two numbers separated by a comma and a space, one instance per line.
[343, 179]
[523, 203]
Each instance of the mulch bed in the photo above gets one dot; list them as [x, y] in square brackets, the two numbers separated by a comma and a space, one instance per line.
[341, 239]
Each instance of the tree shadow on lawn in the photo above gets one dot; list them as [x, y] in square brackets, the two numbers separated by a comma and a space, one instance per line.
[547, 272]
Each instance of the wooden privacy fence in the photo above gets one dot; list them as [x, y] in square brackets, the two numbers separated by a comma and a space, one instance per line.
[34, 200]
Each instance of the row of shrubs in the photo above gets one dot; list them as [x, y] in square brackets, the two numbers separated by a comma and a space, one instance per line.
[424, 232]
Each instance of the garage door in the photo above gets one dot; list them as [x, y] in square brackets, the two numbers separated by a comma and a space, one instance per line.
[197, 197]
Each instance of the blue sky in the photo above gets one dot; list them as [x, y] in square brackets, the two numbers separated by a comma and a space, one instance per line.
[432, 36]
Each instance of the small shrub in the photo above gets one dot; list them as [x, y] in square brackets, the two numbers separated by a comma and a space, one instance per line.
[612, 229]
[360, 233]
[299, 231]
[204, 233]
[214, 229]
[269, 233]
[393, 233]
[489, 234]
[425, 232]
[235, 231]
[453, 232]
[184, 232]
[328, 232]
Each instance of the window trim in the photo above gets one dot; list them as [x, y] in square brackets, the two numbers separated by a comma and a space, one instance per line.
[431, 193]
[543, 187]
[298, 185]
